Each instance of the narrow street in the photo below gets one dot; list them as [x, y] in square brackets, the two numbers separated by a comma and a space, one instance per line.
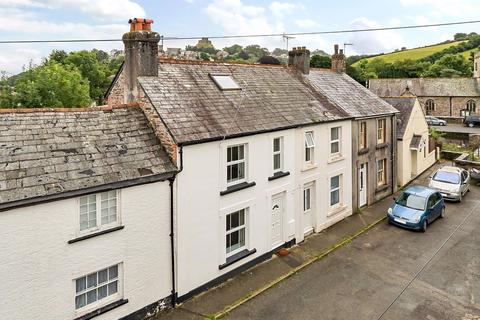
[362, 279]
[460, 128]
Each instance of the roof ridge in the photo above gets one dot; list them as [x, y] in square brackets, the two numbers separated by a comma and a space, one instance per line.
[85, 109]
[219, 63]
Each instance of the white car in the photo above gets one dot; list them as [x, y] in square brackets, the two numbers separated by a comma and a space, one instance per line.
[452, 182]
[432, 121]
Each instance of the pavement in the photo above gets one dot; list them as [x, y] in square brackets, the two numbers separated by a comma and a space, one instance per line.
[357, 269]
[457, 128]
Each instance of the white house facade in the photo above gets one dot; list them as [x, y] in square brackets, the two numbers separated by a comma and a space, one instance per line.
[85, 215]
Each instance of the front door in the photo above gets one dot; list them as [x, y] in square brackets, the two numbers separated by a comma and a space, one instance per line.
[277, 220]
[362, 185]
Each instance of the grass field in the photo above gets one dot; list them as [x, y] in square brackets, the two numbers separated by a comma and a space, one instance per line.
[414, 54]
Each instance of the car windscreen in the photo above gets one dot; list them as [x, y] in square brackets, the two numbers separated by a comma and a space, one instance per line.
[447, 177]
[411, 201]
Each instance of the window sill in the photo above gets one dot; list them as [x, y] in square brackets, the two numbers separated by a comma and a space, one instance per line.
[278, 175]
[363, 151]
[103, 309]
[335, 158]
[237, 257]
[237, 187]
[96, 234]
[309, 167]
[382, 188]
[336, 210]
[382, 145]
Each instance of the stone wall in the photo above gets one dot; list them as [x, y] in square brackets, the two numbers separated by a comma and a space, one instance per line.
[449, 106]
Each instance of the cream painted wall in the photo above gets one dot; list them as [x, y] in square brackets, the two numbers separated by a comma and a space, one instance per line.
[38, 266]
[201, 210]
[416, 126]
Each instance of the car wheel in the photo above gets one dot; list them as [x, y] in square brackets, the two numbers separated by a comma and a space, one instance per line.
[442, 215]
[470, 125]
[424, 226]
[442, 124]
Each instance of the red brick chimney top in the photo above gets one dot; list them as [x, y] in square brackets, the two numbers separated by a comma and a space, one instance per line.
[139, 24]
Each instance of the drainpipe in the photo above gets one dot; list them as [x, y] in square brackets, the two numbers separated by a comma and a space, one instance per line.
[172, 243]
[394, 148]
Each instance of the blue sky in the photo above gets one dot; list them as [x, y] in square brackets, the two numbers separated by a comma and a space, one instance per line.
[60, 19]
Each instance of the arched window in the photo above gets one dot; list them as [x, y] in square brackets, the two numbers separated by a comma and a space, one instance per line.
[429, 106]
[472, 106]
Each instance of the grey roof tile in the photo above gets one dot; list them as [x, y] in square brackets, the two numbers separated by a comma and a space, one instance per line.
[47, 153]
[405, 106]
[426, 87]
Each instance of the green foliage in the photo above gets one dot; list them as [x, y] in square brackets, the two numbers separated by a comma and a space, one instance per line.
[235, 49]
[449, 65]
[256, 51]
[278, 52]
[318, 61]
[460, 36]
[269, 60]
[50, 85]
[204, 56]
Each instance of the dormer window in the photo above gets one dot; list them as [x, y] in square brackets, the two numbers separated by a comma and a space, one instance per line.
[224, 82]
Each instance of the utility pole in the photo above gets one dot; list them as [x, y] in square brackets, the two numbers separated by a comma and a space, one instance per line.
[286, 38]
[345, 46]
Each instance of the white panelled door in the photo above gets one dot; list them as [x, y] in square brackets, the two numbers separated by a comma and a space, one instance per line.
[362, 185]
[277, 220]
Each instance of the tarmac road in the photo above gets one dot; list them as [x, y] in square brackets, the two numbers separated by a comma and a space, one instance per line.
[361, 280]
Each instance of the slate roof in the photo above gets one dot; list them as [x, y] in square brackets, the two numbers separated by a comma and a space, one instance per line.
[46, 154]
[405, 106]
[426, 87]
[194, 109]
[347, 94]
[415, 143]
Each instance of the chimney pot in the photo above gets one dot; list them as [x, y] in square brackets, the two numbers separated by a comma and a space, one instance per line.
[339, 62]
[299, 58]
[336, 48]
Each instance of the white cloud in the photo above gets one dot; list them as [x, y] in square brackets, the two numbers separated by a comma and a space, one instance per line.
[447, 8]
[374, 42]
[305, 23]
[14, 57]
[279, 9]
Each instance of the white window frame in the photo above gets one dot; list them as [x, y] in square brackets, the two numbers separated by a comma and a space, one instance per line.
[384, 173]
[309, 147]
[104, 301]
[237, 229]
[307, 189]
[362, 139]
[279, 153]
[339, 189]
[98, 212]
[234, 162]
[337, 141]
[383, 129]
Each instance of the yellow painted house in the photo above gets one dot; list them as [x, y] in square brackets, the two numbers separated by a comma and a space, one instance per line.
[415, 153]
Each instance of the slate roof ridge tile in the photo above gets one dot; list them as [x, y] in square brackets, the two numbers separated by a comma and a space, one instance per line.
[70, 110]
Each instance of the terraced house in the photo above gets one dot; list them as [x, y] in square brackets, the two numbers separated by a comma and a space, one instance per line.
[264, 152]
[441, 97]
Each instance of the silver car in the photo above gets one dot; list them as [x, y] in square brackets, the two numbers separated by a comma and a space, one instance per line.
[451, 182]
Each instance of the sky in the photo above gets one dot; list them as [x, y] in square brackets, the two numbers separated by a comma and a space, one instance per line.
[84, 19]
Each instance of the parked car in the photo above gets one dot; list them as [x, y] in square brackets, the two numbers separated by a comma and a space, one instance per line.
[416, 207]
[472, 120]
[432, 121]
[451, 182]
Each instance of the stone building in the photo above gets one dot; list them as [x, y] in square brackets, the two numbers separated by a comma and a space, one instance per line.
[442, 97]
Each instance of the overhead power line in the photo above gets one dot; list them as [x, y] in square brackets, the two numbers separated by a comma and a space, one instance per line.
[165, 38]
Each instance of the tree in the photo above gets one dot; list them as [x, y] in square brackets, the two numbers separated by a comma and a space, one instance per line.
[204, 56]
[256, 51]
[50, 85]
[268, 60]
[58, 56]
[318, 61]
[278, 52]
[243, 55]
[460, 36]
[450, 65]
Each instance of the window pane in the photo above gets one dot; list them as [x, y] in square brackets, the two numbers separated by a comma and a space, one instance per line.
[234, 238]
[102, 292]
[229, 154]
[334, 147]
[309, 142]
[241, 170]
[91, 296]
[334, 133]
[308, 154]
[112, 288]
[235, 220]
[91, 280]
[334, 182]
[241, 238]
[276, 161]
[334, 197]
[80, 301]
[81, 284]
[276, 144]
[229, 244]
[113, 272]
[83, 200]
[241, 214]
[103, 276]
[234, 153]
[241, 152]
[234, 172]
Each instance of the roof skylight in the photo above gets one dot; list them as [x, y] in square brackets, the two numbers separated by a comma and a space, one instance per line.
[225, 82]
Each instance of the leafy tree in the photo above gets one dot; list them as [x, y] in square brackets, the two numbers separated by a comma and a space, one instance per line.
[49, 85]
[460, 36]
[235, 49]
[204, 56]
[268, 60]
[278, 52]
[450, 65]
[243, 55]
[256, 51]
[318, 61]
[58, 56]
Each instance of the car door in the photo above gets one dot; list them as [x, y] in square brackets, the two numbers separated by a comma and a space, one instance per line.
[438, 204]
[431, 213]
[465, 181]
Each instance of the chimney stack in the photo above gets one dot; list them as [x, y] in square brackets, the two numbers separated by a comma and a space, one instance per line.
[476, 65]
[141, 55]
[299, 58]
[339, 61]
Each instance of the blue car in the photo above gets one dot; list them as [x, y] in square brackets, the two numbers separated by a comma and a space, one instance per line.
[416, 207]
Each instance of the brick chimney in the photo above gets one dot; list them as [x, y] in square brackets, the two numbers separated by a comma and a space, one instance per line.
[299, 58]
[339, 62]
[141, 55]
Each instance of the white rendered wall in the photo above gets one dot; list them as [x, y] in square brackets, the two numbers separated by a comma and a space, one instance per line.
[39, 266]
[201, 210]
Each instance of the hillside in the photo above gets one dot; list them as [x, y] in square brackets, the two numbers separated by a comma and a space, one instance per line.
[415, 54]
